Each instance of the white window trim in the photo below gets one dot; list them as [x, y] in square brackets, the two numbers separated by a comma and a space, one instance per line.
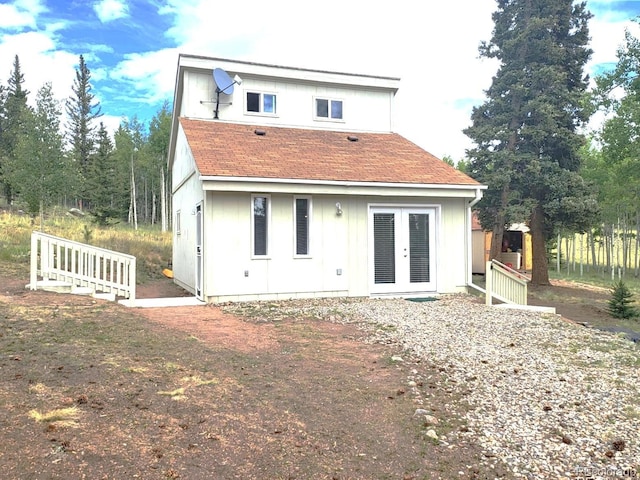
[329, 118]
[177, 222]
[309, 229]
[268, 255]
[261, 113]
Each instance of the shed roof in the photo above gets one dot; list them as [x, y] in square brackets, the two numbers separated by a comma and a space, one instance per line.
[236, 150]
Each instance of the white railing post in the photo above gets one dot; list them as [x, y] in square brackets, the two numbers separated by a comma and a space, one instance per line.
[132, 282]
[489, 282]
[33, 273]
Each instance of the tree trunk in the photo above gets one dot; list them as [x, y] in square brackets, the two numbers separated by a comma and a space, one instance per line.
[163, 199]
[498, 226]
[133, 207]
[540, 271]
[594, 259]
[153, 208]
[636, 268]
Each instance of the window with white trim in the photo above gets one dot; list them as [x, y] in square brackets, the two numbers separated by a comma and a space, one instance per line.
[177, 224]
[259, 102]
[328, 109]
[302, 225]
[260, 225]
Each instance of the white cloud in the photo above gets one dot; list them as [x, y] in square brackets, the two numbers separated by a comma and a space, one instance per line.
[20, 14]
[109, 10]
[40, 62]
[607, 37]
[150, 76]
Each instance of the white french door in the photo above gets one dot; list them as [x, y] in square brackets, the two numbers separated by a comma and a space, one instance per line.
[403, 249]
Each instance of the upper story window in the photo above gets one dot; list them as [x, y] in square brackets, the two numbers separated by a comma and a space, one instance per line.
[258, 102]
[328, 109]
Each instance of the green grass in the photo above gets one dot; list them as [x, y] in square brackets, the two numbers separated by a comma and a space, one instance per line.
[148, 244]
[596, 278]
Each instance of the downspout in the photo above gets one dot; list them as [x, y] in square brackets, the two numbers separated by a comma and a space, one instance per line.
[469, 225]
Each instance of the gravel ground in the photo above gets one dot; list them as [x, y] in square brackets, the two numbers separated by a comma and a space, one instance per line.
[548, 398]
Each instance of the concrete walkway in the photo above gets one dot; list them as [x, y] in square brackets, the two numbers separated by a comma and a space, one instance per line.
[162, 302]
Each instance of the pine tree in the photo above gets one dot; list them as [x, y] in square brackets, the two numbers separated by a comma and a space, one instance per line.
[620, 304]
[159, 134]
[103, 190]
[525, 134]
[38, 171]
[82, 110]
[12, 124]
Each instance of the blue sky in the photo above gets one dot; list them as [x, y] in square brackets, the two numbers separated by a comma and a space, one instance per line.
[131, 48]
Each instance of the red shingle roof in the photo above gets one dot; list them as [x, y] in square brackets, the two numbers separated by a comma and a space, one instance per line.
[227, 149]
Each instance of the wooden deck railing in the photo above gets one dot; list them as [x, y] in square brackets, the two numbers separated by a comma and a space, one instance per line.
[505, 284]
[55, 258]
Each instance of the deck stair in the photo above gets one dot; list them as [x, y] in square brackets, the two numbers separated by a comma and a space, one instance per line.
[509, 287]
[65, 266]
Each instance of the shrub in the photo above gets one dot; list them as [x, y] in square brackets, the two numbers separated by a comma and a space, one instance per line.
[620, 304]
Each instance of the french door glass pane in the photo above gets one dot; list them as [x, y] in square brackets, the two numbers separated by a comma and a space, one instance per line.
[418, 248]
[384, 247]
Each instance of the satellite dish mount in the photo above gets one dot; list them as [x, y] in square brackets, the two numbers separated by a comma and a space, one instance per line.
[224, 84]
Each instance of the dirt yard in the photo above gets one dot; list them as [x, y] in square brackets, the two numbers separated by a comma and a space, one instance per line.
[90, 389]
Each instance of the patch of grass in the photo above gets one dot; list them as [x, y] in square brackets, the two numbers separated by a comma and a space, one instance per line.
[172, 367]
[67, 416]
[151, 247]
[39, 389]
[632, 412]
[197, 381]
[177, 394]
[138, 370]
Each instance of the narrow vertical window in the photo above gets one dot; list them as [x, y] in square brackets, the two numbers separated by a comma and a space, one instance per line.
[177, 225]
[260, 225]
[302, 212]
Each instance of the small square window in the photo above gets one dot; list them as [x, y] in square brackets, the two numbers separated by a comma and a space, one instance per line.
[261, 103]
[328, 109]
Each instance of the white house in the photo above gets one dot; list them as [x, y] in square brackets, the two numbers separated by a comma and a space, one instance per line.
[290, 183]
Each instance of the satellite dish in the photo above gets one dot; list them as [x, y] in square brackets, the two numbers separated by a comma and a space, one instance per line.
[224, 83]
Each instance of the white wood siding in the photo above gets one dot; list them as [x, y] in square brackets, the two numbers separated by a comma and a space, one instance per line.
[187, 192]
[363, 110]
[338, 243]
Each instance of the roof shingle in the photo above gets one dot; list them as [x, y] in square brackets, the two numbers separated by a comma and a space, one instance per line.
[235, 150]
